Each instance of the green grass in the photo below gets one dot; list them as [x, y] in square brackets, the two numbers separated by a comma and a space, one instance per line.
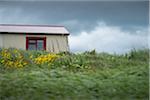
[85, 76]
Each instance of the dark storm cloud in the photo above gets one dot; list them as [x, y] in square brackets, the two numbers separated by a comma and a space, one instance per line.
[76, 16]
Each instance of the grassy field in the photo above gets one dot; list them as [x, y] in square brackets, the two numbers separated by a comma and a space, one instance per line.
[67, 76]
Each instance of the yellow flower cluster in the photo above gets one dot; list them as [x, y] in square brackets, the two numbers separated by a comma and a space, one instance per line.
[5, 54]
[15, 64]
[45, 58]
[12, 58]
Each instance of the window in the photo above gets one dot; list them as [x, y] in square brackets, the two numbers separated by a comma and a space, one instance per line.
[36, 43]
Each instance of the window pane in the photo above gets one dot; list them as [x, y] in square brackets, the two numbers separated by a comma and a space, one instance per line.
[32, 41]
[32, 47]
[40, 45]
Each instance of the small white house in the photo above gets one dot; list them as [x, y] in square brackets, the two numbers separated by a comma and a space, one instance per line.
[34, 37]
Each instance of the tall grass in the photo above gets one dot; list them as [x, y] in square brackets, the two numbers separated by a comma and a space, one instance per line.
[85, 76]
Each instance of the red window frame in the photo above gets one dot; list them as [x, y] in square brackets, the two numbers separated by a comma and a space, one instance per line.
[35, 38]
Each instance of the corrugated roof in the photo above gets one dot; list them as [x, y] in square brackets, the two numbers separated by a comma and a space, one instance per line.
[47, 29]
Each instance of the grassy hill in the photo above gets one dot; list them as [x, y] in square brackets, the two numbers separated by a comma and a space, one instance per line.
[37, 75]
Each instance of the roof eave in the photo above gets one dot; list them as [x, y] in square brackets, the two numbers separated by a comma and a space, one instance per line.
[31, 33]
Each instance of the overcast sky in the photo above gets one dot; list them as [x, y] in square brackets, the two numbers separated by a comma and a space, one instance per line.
[107, 26]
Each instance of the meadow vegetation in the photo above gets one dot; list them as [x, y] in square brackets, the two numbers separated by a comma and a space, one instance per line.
[40, 75]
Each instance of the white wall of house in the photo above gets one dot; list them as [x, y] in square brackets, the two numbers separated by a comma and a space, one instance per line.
[14, 41]
[1, 40]
[57, 43]
[54, 43]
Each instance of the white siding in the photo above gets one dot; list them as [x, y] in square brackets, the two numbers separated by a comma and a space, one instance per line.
[57, 44]
[14, 41]
[54, 43]
[1, 40]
